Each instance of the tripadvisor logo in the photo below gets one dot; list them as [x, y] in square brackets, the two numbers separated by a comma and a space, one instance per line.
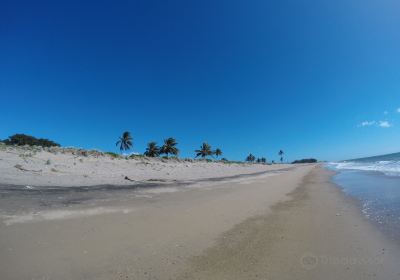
[309, 261]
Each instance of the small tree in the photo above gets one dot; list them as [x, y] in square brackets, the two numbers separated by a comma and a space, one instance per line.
[217, 152]
[263, 160]
[250, 158]
[281, 153]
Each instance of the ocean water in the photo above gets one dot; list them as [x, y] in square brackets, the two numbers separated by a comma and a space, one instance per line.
[375, 183]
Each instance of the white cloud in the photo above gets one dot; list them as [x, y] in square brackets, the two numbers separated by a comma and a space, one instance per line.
[398, 110]
[384, 124]
[367, 123]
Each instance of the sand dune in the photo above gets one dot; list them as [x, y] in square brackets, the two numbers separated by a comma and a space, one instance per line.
[71, 167]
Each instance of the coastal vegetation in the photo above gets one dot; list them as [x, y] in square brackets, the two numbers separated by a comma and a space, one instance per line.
[169, 147]
[281, 153]
[204, 151]
[125, 141]
[152, 150]
[218, 152]
[261, 160]
[250, 158]
[112, 154]
[305, 160]
[23, 139]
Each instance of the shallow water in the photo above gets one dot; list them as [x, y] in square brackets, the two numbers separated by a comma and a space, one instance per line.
[379, 197]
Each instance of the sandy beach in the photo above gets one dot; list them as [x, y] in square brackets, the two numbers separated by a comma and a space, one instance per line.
[68, 167]
[200, 140]
[281, 223]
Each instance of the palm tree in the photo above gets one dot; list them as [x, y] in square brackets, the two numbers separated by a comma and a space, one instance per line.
[125, 141]
[169, 147]
[263, 160]
[250, 158]
[281, 153]
[217, 152]
[152, 150]
[205, 150]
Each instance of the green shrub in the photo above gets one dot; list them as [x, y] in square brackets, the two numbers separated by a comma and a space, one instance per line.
[23, 139]
[305, 160]
[113, 155]
[136, 156]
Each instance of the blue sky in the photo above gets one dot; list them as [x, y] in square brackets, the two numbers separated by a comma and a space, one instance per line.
[314, 78]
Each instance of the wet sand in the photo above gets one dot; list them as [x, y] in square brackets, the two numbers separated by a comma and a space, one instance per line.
[239, 229]
[318, 234]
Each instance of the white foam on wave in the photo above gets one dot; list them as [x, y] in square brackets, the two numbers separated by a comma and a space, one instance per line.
[390, 168]
[51, 215]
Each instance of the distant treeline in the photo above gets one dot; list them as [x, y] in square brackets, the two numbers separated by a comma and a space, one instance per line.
[125, 142]
[305, 160]
[22, 140]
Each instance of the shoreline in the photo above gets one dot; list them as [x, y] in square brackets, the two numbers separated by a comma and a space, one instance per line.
[301, 241]
[294, 224]
[377, 198]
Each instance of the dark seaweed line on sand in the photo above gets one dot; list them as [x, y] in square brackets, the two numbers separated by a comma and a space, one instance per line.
[19, 189]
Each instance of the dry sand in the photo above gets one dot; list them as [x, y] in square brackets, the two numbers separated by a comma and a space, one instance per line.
[31, 166]
[238, 229]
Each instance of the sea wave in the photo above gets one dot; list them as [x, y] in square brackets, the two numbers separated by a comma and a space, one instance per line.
[390, 168]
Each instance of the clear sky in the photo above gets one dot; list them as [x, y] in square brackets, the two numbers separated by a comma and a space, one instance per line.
[315, 78]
